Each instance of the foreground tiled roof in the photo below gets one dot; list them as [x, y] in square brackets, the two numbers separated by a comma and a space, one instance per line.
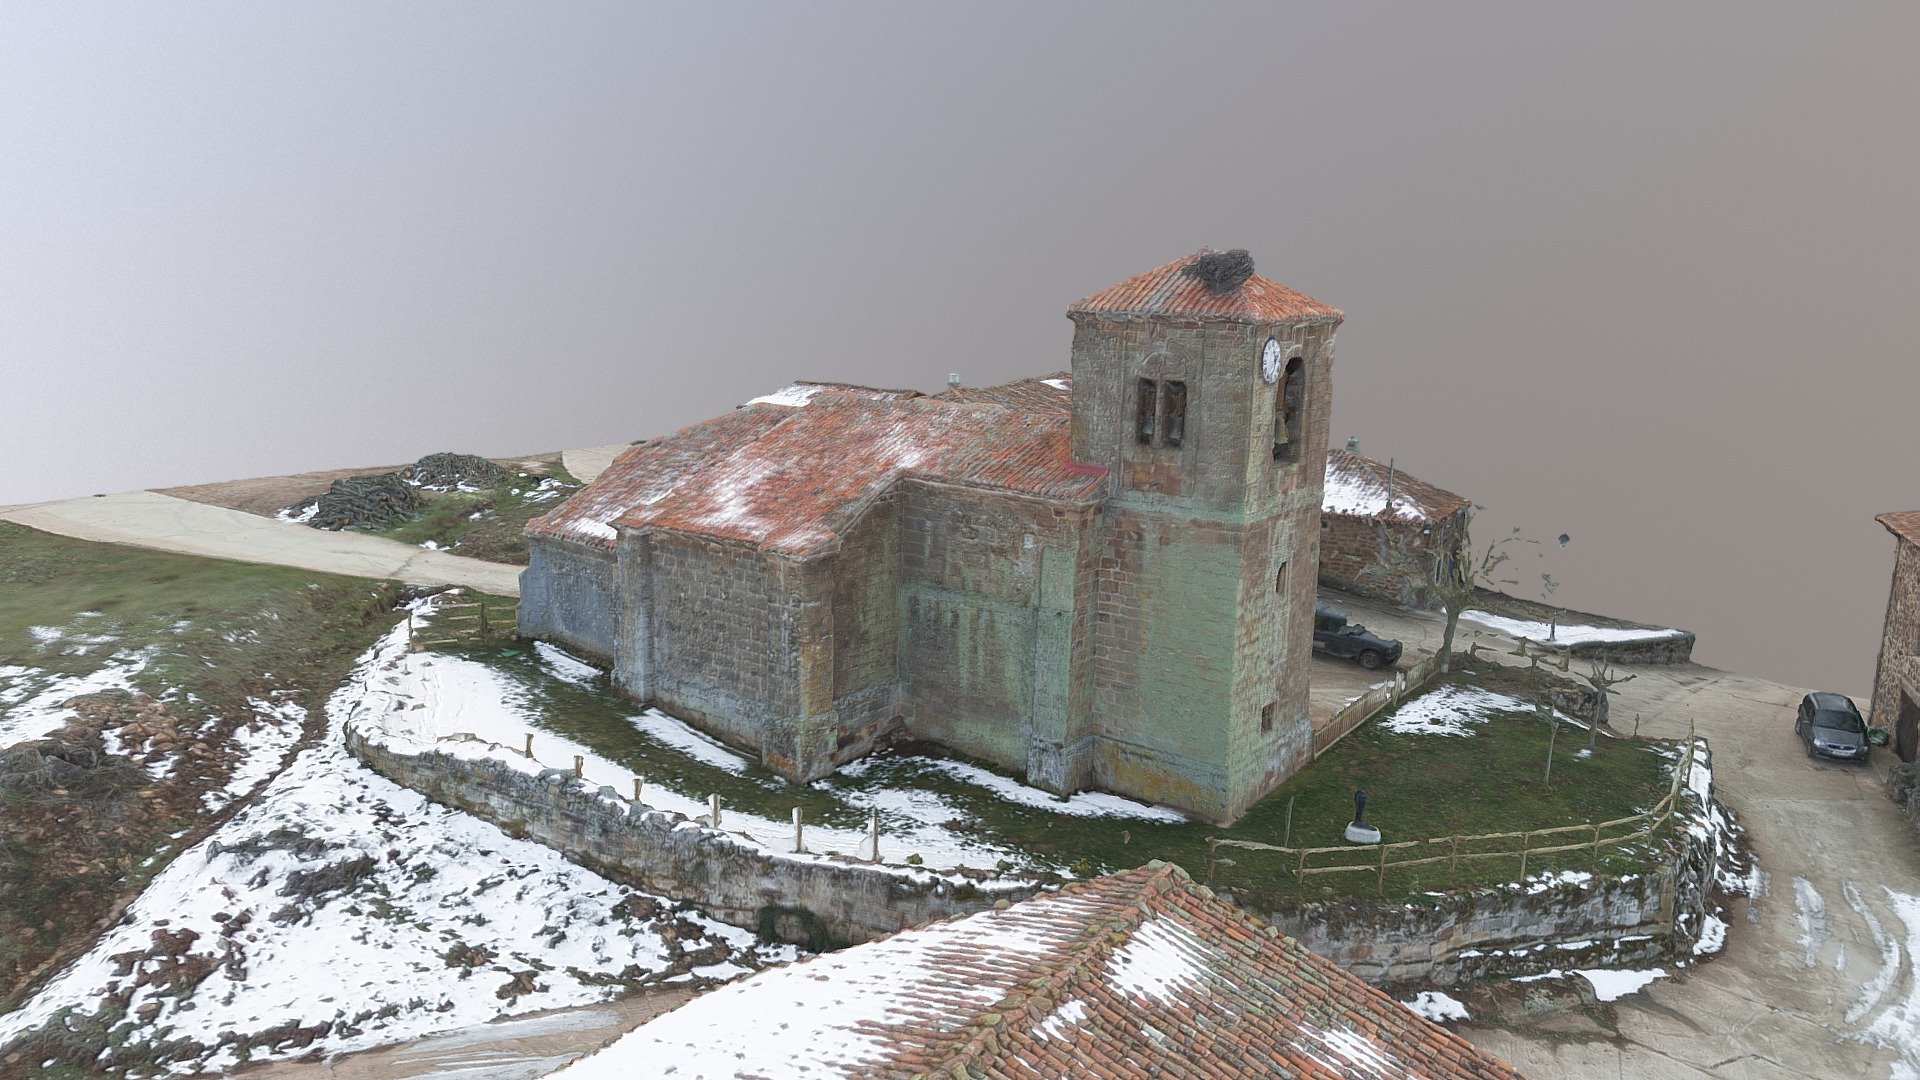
[1141, 974]
[1357, 487]
[1173, 290]
[1904, 524]
[794, 470]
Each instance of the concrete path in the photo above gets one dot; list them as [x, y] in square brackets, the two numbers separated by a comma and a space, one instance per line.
[149, 519]
[515, 1049]
[591, 462]
[1819, 974]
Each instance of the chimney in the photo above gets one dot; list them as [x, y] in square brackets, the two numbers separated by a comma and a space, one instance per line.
[953, 381]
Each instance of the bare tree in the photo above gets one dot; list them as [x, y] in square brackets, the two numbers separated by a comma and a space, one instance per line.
[1453, 578]
[1603, 678]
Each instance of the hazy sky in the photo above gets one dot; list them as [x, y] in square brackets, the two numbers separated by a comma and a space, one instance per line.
[1643, 274]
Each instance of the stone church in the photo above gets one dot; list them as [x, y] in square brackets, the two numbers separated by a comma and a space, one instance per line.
[1096, 579]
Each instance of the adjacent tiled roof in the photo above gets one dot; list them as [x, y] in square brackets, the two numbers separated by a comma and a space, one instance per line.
[1357, 487]
[792, 472]
[1904, 524]
[1045, 394]
[1141, 974]
[1171, 290]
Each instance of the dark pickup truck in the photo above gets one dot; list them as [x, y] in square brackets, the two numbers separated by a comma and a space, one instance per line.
[1335, 636]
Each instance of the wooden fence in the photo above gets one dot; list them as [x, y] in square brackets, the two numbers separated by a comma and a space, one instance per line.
[1377, 859]
[1368, 705]
[465, 622]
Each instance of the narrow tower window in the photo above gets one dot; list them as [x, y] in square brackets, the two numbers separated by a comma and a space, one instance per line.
[1143, 414]
[1286, 415]
[1176, 425]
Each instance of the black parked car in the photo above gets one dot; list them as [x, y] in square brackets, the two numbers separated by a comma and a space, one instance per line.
[1830, 725]
[1335, 636]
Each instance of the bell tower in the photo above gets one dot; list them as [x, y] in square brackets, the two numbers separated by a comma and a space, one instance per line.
[1205, 390]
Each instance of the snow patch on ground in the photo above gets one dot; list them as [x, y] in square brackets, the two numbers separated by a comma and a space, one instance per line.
[1713, 936]
[565, 666]
[1548, 634]
[1450, 710]
[33, 702]
[698, 745]
[1437, 1006]
[1539, 883]
[1079, 804]
[452, 705]
[1898, 1024]
[1613, 985]
[342, 902]
[263, 747]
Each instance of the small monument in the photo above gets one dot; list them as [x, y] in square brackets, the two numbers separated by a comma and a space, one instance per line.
[1358, 831]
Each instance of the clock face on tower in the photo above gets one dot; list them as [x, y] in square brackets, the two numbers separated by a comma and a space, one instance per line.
[1270, 361]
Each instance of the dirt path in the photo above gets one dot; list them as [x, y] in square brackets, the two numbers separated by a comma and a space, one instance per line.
[268, 495]
[1819, 974]
[591, 462]
[150, 519]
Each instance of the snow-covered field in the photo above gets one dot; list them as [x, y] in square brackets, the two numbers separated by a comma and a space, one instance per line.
[1450, 710]
[340, 911]
[1564, 634]
[463, 707]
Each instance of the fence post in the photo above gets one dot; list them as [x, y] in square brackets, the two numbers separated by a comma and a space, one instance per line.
[1596, 847]
[873, 835]
[1453, 858]
[483, 618]
[1526, 841]
[799, 842]
[1288, 842]
[1382, 890]
[529, 749]
[636, 789]
[713, 810]
[579, 766]
[412, 643]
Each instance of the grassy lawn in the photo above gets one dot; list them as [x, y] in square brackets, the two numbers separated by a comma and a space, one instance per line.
[487, 524]
[218, 635]
[1420, 786]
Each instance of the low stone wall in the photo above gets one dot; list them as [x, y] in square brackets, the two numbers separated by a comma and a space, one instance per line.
[1459, 937]
[1676, 648]
[818, 901]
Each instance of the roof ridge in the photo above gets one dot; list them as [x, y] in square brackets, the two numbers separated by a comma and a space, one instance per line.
[1044, 984]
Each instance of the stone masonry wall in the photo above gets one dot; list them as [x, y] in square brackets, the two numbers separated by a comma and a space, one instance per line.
[567, 597]
[1203, 621]
[1459, 937]
[866, 628]
[989, 624]
[1351, 558]
[719, 627]
[816, 901]
[1896, 677]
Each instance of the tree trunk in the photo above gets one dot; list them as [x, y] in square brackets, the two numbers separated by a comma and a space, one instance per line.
[1446, 642]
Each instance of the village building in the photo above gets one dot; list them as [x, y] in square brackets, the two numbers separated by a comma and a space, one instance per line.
[1896, 681]
[1379, 528]
[1102, 578]
[1141, 974]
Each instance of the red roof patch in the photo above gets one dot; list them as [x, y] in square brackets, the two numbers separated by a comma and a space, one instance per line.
[1173, 290]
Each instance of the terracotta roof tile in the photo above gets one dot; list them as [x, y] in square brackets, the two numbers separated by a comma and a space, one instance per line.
[1904, 524]
[1357, 487]
[1141, 974]
[1173, 290]
[795, 470]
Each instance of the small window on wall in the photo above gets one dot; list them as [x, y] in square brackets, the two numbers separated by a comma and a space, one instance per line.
[1176, 406]
[1289, 406]
[1144, 412]
[1280, 580]
[1266, 717]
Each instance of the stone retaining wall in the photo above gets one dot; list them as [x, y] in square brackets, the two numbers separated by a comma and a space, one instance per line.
[1638, 920]
[1676, 648]
[818, 901]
